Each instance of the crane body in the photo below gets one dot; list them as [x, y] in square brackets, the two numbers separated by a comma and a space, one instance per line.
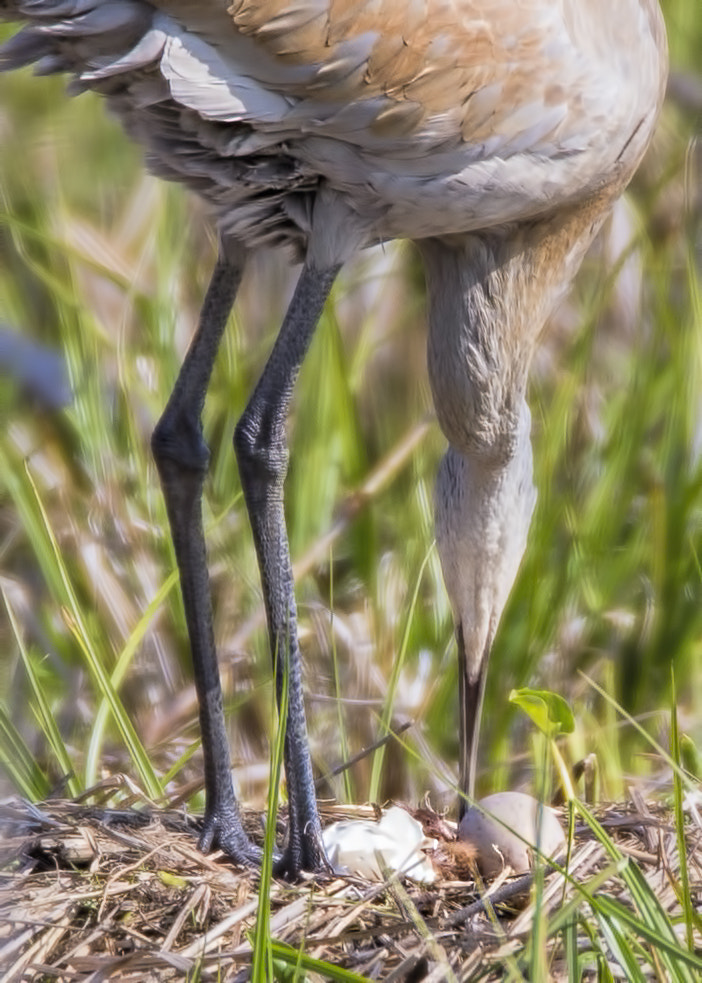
[495, 134]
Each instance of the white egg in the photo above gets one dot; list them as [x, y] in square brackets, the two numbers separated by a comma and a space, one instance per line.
[505, 828]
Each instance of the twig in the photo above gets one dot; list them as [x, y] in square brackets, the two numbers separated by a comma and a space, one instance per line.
[504, 893]
[363, 753]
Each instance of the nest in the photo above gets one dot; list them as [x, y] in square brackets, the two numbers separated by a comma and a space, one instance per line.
[95, 893]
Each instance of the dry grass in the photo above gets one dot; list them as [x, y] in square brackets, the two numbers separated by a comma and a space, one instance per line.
[90, 892]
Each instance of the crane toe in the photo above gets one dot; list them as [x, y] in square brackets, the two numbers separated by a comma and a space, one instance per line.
[308, 856]
[222, 830]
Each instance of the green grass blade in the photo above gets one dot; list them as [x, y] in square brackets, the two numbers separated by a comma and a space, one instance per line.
[262, 966]
[42, 709]
[620, 945]
[101, 680]
[650, 920]
[19, 763]
[386, 717]
[683, 892]
[681, 965]
[24, 497]
[294, 958]
[570, 945]
[658, 748]
[343, 736]
[117, 676]
[537, 945]
[94, 663]
[180, 762]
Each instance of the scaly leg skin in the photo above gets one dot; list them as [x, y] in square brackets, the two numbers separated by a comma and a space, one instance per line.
[261, 448]
[182, 458]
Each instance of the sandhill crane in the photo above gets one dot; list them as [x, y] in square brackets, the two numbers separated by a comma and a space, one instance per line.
[495, 134]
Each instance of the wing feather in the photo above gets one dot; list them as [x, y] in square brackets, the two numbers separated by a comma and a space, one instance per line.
[430, 115]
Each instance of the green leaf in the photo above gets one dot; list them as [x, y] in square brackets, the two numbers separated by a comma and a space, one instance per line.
[690, 757]
[293, 957]
[548, 710]
[172, 880]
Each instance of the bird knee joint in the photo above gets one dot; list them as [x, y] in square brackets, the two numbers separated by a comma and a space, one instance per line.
[181, 444]
[260, 452]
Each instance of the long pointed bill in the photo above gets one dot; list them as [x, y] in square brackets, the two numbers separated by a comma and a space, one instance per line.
[471, 688]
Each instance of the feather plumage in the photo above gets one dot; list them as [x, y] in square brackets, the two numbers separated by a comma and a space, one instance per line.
[434, 116]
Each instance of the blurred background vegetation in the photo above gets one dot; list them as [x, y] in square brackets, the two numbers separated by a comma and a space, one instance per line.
[106, 265]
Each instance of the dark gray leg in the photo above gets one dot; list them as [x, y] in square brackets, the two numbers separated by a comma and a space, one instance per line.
[182, 458]
[261, 448]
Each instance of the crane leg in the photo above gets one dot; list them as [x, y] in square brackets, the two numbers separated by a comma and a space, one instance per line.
[262, 453]
[182, 458]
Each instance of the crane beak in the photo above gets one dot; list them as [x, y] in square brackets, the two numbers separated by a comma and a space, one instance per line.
[472, 674]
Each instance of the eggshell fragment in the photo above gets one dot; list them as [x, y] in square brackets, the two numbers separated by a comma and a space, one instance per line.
[397, 842]
[499, 825]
